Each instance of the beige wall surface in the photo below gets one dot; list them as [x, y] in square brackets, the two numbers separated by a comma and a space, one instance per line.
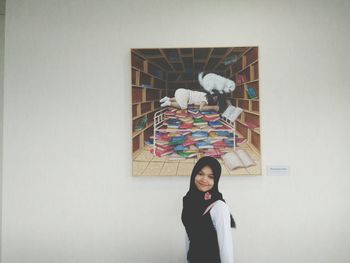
[68, 193]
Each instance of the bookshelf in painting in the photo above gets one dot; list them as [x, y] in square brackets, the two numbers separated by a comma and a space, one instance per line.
[245, 73]
[148, 86]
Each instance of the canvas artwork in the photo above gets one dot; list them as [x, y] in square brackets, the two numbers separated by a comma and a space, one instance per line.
[194, 102]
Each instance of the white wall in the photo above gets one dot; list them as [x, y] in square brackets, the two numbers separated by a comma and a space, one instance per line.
[2, 57]
[68, 193]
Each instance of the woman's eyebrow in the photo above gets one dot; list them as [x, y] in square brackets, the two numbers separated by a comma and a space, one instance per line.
[201, 171]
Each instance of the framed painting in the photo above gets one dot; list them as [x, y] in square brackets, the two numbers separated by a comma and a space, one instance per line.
[194, 102]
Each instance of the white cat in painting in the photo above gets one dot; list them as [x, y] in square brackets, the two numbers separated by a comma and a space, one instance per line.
[213, 81]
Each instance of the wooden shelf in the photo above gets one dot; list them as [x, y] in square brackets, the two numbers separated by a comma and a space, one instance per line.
[251, 81]
[135, 103]
[256, 130]
[145, 113]
[135, 68]
[182, 81]
[246, 67]
[243, 123]
[148, 84]
[142, 87]
[251, 112]
[135, 133]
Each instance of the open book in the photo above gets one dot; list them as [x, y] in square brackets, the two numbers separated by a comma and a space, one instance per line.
[232, 113]
[238, 159]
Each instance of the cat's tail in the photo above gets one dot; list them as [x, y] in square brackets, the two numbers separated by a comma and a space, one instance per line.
[200, 78]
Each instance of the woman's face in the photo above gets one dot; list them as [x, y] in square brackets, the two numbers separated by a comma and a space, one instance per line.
[204, 179]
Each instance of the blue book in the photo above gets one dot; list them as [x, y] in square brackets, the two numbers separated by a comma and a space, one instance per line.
[251, 92]
[204, 145]
[180, 148]
[224, 133]
[229, 143]
[208, 112]
[178, 138]
[215, 124]
[198, 134]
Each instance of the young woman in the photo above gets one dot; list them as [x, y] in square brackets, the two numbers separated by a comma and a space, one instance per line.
[206, 216]
[205, 101]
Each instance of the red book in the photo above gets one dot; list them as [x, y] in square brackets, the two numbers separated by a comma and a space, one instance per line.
[197, 115]
[165, 137]
[164, 147]
[160, 153]
[189, 141]
[214, 153]
[211, 118]
[220, 144]
[186, 126]
[181, 113]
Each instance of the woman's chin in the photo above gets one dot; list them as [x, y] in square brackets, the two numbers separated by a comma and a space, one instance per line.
[203, 189]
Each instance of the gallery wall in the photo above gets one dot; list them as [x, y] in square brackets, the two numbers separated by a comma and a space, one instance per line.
[68, 193]
[2, 51]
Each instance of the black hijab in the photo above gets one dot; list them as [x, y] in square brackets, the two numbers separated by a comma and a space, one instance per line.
[194, 203]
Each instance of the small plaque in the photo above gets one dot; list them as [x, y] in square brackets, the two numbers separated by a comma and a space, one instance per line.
[278, 170]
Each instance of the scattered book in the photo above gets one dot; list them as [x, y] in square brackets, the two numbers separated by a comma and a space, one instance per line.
[189, 141]
[181, 113]
[175, 157]
[198, 134]
[214, 153]
[204, 145]
[224, 133]
[180, 148]
[192, 111]
[215, 124]
[197, 115]
[161, 153]
[219, 144]
[238, 159]
[232, 113]
[163, 147]
[187, 154]
[199, 122]
[211, 118]
[186, 126]
[229, 143]
[177, 140]
[186, 134]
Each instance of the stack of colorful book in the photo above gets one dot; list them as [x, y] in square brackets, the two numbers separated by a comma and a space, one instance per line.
[191, 133]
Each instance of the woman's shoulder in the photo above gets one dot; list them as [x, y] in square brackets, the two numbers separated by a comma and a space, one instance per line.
[220, 207]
